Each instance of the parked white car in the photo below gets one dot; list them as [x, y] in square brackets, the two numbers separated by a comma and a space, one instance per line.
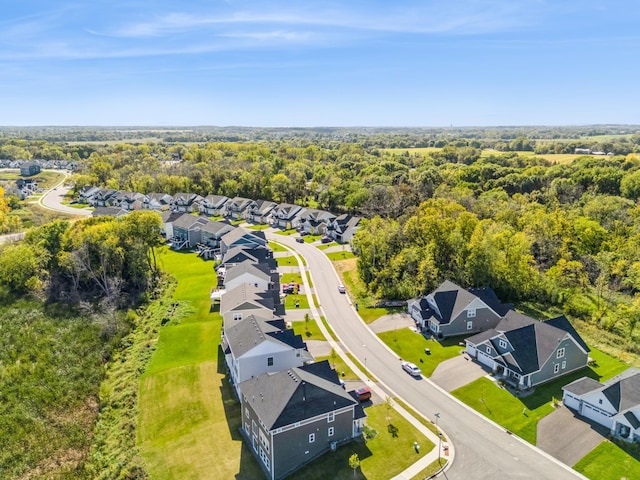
[411, 369]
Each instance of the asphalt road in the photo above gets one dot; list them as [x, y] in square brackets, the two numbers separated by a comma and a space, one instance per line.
[52, 200]
[483, 449]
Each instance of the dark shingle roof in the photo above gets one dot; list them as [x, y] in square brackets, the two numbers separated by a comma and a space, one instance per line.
[488, 296]
[294, 395]
[632, 419]
[451, 300]
[623, 391]
[563, 323]
[582, 385]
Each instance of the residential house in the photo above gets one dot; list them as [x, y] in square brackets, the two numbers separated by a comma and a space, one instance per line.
[158, 201]
[255, 345]
[25, 187]
[527, 352]
[213, 231]
[614, 404]
[86, 194]
[103, 196]
[452, 310]
[256, 274]
[343, 228]
[255, 254]
[168, 217]
[244, 300]
[129, 201]
[291, 417]
[28, 169]
[187, 231]
[242, 237]
[315, 222]
[213, 205]
[259, 211]
[285, 216]
[186, 202]
[237, 207]
[108, 211]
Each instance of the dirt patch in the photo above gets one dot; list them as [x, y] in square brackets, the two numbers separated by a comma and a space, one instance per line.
[394, 321]
[567, 436]
[457, 372]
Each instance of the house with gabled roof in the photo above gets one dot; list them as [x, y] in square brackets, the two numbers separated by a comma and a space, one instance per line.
[158, 201]
[128, 201]
[285, 216]
[237, 207]
[244, 300]
[102, 197]
[108, 212]
[292, 417]
[314, 221]
[242, 237]
[258, 275]
[255, 345]
[213, 205]
[213, 231]
[254, 253]
[527, 352]
[259, 211]
[614, 404]
[343, 228]
[187, 231]
[452, 310]
[186, 202]
[86, 194]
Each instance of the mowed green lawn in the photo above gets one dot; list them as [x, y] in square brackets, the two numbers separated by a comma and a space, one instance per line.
[189, 420]
[410, 346]
[610, 461]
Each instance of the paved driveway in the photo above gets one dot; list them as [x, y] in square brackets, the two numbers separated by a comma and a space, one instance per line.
[394, 321]
[457, 372]
[568, 437]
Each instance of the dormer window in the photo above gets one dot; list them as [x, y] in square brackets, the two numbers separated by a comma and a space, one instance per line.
[488, 349]
[471, 313]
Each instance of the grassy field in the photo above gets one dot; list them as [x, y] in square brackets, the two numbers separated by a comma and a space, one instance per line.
[431, 469]
[521, 415]
[189, 420]
[308, 330]
[343, 255]
[381, 458]
[410, 346]
[611, 461]
[291, 277]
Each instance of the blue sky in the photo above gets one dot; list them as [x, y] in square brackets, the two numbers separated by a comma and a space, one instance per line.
[320, 63]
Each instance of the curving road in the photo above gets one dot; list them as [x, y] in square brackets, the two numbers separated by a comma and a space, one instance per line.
[483, 449]
[53, 198]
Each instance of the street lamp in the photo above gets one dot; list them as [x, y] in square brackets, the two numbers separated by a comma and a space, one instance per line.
[437, 415]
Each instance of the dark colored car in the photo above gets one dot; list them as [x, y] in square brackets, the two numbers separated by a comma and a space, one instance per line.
[325, 240]
[363, 394]
[300, 239]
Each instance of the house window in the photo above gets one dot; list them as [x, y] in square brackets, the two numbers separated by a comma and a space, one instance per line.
[264, 441]
[246, 412]
[488, 349]
[502, 344]
[265, 459]
[312, 437]
[471, 313]
[469, 325]
[253, 427]
[600, 401]
[560, 353]
[331, 416]
[564, 364]
[330, 432]
[237, 316]
[270, 362]
[556, 368]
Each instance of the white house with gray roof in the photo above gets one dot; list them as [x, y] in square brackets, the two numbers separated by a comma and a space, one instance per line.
[252, 274]
[614, 404]
[244, 300]
[255, 345]
[291, 417]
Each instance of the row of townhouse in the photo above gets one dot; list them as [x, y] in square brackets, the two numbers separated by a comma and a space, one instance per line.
[525, 352]
[340, 228]
[293, 409]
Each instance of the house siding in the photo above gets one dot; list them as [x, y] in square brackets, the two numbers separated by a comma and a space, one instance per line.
[485, 319]
[292, 448]
[574, 357]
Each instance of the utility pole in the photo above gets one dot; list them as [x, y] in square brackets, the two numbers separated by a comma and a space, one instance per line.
[437, 415]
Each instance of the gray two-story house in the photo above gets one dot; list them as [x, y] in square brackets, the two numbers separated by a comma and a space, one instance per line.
[291, 417]
[527, 352]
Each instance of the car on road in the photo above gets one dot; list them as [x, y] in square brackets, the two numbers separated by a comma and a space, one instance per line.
[411, 369]
[299, 239]
[342, 289]
[325, 239]
[363, 394]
